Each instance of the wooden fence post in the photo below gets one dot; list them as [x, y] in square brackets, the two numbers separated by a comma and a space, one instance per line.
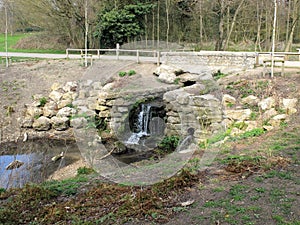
[117, 50]
[158, 58]
[138, 56]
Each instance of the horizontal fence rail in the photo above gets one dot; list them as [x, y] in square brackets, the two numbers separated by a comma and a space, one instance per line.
[117, 52]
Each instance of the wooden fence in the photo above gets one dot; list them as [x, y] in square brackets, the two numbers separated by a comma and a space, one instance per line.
[137, 54]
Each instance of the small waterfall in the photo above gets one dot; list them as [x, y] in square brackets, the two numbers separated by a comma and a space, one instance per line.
[142, 124]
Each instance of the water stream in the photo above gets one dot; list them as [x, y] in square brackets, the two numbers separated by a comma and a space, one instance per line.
[141, 125]
[35, 156]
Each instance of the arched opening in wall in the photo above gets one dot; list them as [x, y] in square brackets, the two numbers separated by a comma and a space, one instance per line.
[146, 120]
[146, 127]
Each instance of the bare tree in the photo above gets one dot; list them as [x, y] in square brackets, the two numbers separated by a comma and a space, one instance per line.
[295, 14]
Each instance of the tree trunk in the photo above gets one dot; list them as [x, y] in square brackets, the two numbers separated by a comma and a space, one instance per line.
[295, 18]
[158, 28]
[258, 35]
[220, 38]
[168, 23]
[233, 23]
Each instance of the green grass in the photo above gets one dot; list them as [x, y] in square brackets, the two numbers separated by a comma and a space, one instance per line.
[13, 39]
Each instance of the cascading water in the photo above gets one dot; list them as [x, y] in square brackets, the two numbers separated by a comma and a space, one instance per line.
[142, 124]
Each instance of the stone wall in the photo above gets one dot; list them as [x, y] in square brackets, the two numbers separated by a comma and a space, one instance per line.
[188, 108]
[113, 107]
[211, 60]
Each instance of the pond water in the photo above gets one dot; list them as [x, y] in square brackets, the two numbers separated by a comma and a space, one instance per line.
[36, 157]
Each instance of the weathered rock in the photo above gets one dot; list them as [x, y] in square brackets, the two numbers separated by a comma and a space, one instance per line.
[50, 109]
[93, 93]
[97, 85]
[183, 99]
[174, 120]
[56, 86]
[70, 86]
[68, 96]
[250, 100]
[33, 112]
[290, 111]
[171, 96]
[227, 123]
[104, 114]
[280, 117]
[26, 122]
[269, 114]
[157, 126]
[42, 124]
[208, 101]
[66, 112]
[238, 115]
[82, 94]
[268, 128]
[228, 99]
[186, 77]
[168, 69]
[37, 97]
[276, 120]
[55, 95]
[251, 125]
[79, 122]
[59, 123]
[101, 108]
[83, 110]
[236, 131]
[289, 103]
[267, 103]
[194, 89]
[63, 103]
[168, 78]
[108, 87]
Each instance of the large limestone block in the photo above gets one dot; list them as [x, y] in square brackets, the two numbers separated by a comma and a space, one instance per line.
[208, 101]
[60, 123]
[50, 109]
[276, 120]
[70, 86]
[33, 111]
[269, 114]
[56, 86]
[267, 103]
[238, 115]
[250, 100]
[289, 103]
[55, 95]
[66, 112]
[168, 69]
[79, 122]
[42, 124]
[168, 78]
[228, 99]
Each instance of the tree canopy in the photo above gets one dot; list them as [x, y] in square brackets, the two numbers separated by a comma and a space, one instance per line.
[213, 24]
[121, 25]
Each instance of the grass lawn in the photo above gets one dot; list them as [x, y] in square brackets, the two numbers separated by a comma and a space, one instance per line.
[13, 39]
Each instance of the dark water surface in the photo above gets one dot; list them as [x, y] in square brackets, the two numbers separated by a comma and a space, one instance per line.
[36, 156]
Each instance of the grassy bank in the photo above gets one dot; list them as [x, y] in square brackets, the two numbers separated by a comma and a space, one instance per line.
[12, 40]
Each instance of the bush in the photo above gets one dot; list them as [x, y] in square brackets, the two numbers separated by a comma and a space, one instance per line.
[84, 170]
[43, 101]
[122, 73]
[169, 143]
[131, 72]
